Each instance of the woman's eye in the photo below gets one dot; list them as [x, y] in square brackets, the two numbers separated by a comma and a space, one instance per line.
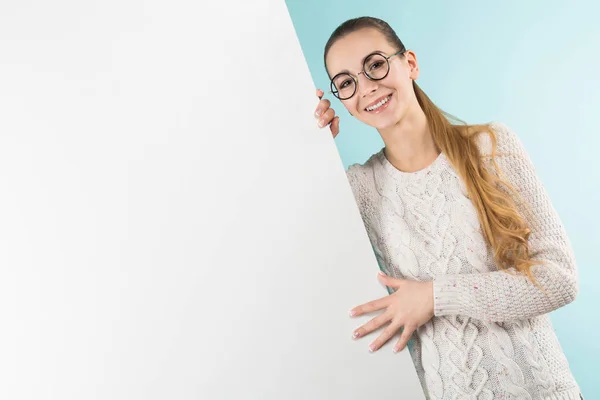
[376, 65]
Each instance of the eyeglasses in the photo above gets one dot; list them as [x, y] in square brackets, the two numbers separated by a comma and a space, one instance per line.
[376, 67]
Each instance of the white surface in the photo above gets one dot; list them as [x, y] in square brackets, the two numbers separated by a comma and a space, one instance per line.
[173, 225]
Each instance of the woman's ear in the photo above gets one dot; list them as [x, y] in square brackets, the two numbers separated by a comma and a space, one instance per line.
[411, 59]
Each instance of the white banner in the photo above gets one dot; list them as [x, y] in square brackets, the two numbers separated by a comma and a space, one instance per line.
[173, 224]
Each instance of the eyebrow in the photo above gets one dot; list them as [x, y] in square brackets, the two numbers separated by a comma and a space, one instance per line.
[345, 71]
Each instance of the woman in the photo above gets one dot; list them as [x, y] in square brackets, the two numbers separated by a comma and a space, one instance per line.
[473, 252]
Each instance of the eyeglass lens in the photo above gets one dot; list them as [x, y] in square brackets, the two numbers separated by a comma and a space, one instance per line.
[376, 67]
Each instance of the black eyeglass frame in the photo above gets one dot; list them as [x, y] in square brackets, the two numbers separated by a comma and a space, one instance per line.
[335, 92]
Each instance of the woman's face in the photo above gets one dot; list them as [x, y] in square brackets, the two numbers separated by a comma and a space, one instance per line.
[394, 94]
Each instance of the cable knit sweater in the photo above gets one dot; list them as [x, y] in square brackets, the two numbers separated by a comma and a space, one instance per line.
[491, 336]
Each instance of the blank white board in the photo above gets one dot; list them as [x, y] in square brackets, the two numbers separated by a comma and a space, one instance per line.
[173, 225]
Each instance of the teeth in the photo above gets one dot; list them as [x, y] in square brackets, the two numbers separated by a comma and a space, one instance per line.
[376, 106]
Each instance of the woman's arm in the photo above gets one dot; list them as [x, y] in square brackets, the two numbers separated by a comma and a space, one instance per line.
[500, 296]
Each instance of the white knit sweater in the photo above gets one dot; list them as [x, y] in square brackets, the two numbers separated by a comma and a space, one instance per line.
[491, 336]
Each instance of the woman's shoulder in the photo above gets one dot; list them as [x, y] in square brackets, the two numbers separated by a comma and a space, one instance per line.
[361, 175]
[361, 171]
[506, 140]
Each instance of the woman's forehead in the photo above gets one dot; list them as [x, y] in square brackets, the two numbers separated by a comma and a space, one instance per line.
[349, 52]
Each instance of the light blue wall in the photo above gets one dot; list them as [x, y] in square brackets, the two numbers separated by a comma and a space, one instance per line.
[534, 65]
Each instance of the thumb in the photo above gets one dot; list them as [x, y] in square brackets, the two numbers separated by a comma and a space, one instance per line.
[389, 281]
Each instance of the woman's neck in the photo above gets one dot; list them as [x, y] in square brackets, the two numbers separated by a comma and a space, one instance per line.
[409, 145]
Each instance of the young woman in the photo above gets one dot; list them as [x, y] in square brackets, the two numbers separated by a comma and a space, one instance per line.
[470, 246]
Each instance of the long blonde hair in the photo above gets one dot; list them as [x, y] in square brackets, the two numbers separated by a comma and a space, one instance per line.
[504, 229]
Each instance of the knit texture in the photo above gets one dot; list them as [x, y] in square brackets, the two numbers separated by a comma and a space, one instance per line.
[491, 336]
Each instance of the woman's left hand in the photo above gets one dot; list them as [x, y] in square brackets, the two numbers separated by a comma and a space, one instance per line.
[410, 306]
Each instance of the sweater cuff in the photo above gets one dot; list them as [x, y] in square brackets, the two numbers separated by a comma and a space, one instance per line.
[446, 296]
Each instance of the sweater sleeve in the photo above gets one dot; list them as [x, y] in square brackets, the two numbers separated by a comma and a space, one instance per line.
[499, 296]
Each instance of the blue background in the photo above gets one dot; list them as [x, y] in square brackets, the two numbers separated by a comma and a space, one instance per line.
[532, 65]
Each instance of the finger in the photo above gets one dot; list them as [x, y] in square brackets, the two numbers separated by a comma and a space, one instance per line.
[386, 335]
[371, 306]
[322, 107]
[371, 326]
[320, 93]
[326, 118]
[404, 338]
[389, 281]
[335, 127]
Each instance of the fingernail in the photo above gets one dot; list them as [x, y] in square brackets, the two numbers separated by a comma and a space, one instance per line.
[321, 123]
[355, 335]
[381, 273]
[352, 313]
[396, 350]
[318, 113]
[372, 348]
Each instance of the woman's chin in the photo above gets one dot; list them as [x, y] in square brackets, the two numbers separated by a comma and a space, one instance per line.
[382, 123]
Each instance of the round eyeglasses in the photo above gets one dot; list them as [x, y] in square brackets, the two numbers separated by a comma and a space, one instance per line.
[376, 67]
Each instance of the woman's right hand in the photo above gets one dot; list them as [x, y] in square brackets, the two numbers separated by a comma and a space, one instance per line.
[326, 115]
